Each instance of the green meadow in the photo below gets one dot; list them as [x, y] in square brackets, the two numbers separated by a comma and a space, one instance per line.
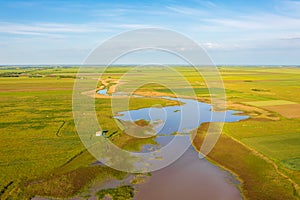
[41, 153]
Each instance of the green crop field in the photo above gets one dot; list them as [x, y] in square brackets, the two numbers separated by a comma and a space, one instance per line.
[41, 153]
[270, 103]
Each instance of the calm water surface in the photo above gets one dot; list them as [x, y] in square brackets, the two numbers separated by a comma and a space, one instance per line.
[189, 177]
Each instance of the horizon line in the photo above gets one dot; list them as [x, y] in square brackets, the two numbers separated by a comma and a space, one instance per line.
[82, 65]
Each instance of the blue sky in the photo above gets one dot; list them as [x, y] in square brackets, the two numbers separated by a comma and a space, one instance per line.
[232, 32]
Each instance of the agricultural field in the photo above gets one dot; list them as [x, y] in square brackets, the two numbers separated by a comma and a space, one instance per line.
[42, 154]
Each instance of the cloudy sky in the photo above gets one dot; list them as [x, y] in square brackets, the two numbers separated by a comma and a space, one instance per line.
[233, 32]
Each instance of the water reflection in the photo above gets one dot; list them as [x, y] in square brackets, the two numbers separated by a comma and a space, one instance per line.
[168, 122]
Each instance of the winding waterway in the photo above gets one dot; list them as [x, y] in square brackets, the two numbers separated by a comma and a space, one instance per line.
[189, 177]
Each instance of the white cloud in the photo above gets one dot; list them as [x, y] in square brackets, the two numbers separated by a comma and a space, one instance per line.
[132, 26]
[63, 30]
[221, 46]
[186, 10]
[45, 28]
[259, 21]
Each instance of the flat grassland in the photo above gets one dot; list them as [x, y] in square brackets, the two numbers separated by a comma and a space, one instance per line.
[41, 153]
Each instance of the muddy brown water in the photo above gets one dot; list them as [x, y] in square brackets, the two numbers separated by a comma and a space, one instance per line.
[189, 178]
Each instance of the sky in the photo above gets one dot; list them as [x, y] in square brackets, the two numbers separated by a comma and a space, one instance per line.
[265, 32]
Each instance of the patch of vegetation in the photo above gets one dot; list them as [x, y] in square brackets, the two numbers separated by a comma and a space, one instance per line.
[125, 192]
[292, 163]
[10, 74]
[142, 122]
[70, 183]
[260, 90]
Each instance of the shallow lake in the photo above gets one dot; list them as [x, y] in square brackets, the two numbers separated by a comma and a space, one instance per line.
[103, 92]
[171, 120]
